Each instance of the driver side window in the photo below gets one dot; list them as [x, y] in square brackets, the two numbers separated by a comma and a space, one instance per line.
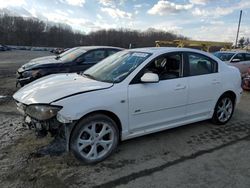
[95, 55]
[239, 56]
[167, 67]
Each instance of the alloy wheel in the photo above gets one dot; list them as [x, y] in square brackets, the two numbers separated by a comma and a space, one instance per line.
[225, 109]
[95, 140]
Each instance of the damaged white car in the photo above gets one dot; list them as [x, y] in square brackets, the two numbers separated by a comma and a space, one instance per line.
[130, 94]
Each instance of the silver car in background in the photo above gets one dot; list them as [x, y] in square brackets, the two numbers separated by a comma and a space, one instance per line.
[238, 59]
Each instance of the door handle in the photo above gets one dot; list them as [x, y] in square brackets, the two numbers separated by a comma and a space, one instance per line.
[180, 87]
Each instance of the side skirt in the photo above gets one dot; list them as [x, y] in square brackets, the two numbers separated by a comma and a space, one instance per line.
[130, 135]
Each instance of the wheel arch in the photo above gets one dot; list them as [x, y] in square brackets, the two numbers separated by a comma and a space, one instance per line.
[110, 114]
[230, 93]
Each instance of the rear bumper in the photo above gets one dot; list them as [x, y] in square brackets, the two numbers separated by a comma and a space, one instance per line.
[238, 95]
[246, 83]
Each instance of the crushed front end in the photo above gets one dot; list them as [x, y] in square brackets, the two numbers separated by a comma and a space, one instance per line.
[42, 128]
[43, 119]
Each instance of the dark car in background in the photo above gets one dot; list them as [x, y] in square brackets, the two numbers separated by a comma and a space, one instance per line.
[76, 59]
[44, 58]
[59, 50]
[4, 47]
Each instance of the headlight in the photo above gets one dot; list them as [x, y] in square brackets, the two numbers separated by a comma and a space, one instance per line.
[32, 73]
[42, 112]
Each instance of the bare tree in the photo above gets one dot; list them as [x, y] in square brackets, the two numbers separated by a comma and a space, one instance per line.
[241, 42]
[34, 32]
[247, 42]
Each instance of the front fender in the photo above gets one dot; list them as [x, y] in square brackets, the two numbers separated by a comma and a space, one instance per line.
[113, 100]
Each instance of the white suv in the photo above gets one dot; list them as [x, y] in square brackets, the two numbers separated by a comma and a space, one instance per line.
[130, 94]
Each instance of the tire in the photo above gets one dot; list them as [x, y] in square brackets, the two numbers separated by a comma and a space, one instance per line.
[94, 138]
[223, 110]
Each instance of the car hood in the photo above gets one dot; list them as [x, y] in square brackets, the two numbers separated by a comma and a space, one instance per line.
[48, 61]
[43, 58]
[57, 86]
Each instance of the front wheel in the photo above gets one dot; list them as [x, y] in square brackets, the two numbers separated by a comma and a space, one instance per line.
[94, 138]
[223, 110]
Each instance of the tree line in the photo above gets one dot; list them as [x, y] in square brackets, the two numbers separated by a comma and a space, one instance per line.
[243, 42]
[34, 32]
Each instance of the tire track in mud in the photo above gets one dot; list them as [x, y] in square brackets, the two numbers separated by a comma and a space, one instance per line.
[225, 133]
[224, 136]
[200, 138]
[13, 158]
[10, 128]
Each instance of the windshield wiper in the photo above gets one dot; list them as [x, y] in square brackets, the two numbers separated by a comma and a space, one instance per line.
[89, 76]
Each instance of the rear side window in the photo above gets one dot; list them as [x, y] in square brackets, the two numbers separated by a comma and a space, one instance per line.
[111, 52]
[247, 57]
[200, 64]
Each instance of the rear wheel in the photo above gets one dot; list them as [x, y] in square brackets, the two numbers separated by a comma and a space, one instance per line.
[223, 110]
[94, 138]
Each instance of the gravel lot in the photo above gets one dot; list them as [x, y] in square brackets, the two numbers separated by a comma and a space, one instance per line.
[196, 155]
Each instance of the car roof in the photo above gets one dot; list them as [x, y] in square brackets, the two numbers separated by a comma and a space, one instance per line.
[227, 52]
[87, 48]
[160, 50]
[234, 51]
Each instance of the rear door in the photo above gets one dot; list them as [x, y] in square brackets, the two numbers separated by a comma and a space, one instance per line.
[204, 84]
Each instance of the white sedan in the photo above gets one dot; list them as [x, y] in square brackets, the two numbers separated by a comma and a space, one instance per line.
[130, 94]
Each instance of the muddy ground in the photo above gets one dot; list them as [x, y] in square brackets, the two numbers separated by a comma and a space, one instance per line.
[196, 155]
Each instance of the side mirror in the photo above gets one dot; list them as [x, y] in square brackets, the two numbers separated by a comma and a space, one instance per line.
[235, 60]
[150, 78]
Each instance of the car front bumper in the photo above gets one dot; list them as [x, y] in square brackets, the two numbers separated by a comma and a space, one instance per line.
[23, 81]
[52, 126]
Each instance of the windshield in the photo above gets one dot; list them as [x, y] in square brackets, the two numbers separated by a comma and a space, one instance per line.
[224, 56]
[116, 67]
[71, 54]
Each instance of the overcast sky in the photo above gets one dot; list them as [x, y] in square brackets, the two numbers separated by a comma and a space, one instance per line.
[198, 19]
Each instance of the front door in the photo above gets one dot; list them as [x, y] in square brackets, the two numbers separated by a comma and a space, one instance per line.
[87, 60]
[154, 105]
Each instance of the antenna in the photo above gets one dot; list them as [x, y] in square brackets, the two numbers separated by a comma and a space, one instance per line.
[236, 42]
